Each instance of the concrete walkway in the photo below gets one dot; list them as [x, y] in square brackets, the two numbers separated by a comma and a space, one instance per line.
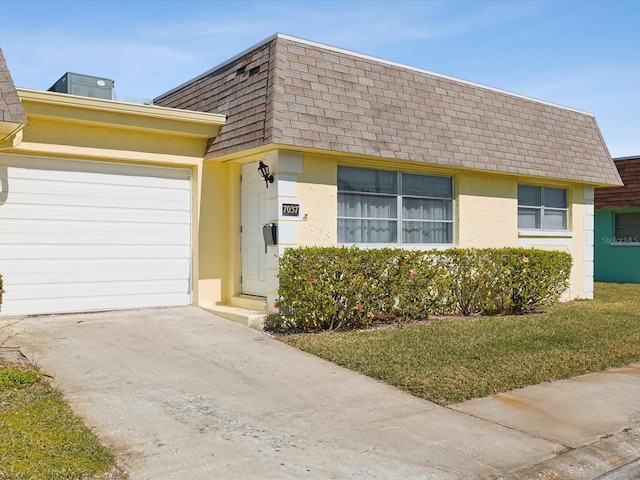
[183, 394]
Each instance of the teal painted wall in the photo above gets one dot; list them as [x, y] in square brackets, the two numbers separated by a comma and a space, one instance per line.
[613, 263]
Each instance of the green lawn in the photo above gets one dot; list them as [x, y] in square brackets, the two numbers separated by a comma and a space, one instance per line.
[455, 359]
[40, 438]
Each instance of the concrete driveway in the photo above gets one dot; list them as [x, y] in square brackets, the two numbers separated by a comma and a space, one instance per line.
[180, 393]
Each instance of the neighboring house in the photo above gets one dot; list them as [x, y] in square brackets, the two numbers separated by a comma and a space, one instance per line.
[362, 152]
[617, 226]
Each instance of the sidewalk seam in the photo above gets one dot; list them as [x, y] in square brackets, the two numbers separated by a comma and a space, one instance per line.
[565, 447]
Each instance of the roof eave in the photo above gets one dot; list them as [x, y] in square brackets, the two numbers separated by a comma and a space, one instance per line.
[110, 112]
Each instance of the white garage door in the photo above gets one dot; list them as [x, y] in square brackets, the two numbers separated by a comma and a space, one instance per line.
[82, 236]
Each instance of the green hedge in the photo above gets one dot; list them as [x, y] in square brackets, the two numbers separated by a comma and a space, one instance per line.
[334, 288]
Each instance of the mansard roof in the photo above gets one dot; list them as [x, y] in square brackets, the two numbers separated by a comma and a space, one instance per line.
[296, 93]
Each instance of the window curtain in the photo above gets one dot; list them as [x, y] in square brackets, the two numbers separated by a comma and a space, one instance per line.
[371, 208]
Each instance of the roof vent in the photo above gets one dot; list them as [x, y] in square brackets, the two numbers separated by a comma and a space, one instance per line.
[84, 86]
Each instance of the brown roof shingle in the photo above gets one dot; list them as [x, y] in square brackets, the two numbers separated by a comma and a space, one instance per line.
[307, 95]
[622, 197]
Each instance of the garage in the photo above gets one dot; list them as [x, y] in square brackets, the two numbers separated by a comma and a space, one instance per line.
[80, 236]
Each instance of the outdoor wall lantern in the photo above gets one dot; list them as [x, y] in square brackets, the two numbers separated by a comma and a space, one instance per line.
[264, 171]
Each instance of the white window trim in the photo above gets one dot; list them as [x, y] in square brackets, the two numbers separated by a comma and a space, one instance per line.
[545, 232]
[405, 246]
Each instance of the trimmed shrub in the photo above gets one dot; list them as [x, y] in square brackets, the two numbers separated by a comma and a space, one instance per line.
[503, 280]
[533, 278]
[345, 288]
[338, 288]
[471, 277]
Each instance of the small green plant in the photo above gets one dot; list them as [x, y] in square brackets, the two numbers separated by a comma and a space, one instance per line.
[18, 378]
[1, 291]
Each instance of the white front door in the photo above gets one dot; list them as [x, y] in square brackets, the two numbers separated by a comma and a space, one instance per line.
[253, 216]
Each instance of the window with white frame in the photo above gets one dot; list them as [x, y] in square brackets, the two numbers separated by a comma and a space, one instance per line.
[542, 208]
[388, 207]
[627, 227]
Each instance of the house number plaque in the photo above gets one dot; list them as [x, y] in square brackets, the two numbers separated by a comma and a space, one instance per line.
[290, 210]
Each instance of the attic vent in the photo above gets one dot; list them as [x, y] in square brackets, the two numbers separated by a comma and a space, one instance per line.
[254, 70]
[240, 71]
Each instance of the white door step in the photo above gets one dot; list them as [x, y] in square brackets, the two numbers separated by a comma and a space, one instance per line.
[251, 318]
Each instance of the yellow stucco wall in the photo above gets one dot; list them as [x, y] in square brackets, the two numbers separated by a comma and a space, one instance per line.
[82, 128]
[318, 192]
[56, 135]
[485, 205]
[219, 238]
[486, 210]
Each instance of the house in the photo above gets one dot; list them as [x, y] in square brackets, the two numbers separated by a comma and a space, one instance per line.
[360, 151]
[617, 226]
[376, 153]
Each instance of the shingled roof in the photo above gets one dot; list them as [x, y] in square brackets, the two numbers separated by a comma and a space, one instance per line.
[12, 116]
[622, 197]
[292, 92]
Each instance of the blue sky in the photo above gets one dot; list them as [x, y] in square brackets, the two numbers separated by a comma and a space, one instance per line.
[582, 54]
